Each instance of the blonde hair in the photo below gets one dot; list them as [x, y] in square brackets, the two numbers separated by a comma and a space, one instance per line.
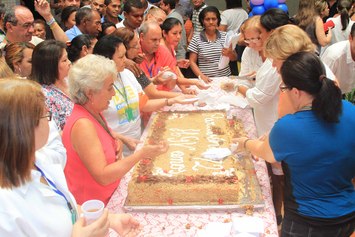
[5, 70]
[320, 6]
[287, 40]
[21, 107]
[14, 52]
[306, 13]
[252, 23]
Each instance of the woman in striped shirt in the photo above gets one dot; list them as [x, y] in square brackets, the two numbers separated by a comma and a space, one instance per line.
[206, 48]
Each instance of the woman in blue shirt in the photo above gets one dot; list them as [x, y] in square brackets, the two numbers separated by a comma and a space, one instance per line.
[316, 146]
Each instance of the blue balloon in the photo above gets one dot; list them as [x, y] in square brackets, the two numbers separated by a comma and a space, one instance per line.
[283, 7]
[258, 10]
[250, 14]
[270, 4]
[251, 5]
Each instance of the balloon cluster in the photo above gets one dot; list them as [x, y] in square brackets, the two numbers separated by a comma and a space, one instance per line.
[258, 7]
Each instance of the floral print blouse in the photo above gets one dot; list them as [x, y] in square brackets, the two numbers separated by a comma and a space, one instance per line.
[58, 103]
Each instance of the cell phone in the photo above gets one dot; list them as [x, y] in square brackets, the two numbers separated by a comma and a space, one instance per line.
[327, 25]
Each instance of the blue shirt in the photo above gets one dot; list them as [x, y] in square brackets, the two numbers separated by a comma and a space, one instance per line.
[319, 162]
[73, 32]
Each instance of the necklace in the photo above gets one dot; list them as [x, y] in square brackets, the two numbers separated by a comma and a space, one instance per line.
[305, 108]
[101, 121]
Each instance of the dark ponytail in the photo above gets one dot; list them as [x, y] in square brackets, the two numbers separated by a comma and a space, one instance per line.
[75, 46]
[305, 71]
[273, 18]
[343, 8]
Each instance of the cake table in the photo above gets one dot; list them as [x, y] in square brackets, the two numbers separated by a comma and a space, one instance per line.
[188, 223]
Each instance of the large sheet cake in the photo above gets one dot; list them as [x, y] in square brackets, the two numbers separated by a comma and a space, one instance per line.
[182, 177]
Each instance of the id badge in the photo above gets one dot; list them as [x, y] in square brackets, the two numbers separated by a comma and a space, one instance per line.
[129, 114]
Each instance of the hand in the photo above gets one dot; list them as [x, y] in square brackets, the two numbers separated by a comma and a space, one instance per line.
[43, 8]
[133, 67]
[187, 91]
[241, 89]
[181, 99]
[240, 141]
[159, 80]
[124, 224]
[251, 74]
[131, 143]
[149, 151]
[205, 78]
[202, 86]
[230, 53]
[183, 63]
[98, 228]
[140, 58]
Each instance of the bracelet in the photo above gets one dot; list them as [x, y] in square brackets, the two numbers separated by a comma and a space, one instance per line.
[245, 143]
[50, 22]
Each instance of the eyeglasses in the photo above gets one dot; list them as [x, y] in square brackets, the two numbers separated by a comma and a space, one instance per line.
[284, 88]
[252, 40]
[137, 46]
[25, 26]
[48, 116]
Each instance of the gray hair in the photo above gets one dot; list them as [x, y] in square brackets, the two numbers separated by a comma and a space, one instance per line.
[10, 17]
[89, 74]
[146, 26]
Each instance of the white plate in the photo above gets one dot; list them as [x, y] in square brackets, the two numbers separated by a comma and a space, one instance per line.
[191, 99]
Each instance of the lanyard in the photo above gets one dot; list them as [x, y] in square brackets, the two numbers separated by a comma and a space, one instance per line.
[124, 93]
[57, 191]
[150, 69]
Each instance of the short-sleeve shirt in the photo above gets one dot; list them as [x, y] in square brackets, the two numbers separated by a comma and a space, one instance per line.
[162, 58]
[209, 53]
[318, 162]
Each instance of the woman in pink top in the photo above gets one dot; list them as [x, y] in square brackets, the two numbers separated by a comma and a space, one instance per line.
[95, 165]
[172, 30]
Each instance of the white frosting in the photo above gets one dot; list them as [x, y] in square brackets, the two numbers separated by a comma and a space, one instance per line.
[207, 164]
[229, 172]
[186, 140]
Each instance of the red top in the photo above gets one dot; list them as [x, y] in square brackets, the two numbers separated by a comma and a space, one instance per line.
[162, 58]
[80, 182]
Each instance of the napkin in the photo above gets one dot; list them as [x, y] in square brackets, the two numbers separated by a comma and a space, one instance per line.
[247, 227]
[216, 153]
[234, 100]
[231, 39]
[215, 229]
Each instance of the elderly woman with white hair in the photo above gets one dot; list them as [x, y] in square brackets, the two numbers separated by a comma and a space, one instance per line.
[94, 167]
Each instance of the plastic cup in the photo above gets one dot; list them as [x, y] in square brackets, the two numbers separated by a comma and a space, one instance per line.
[92, 210]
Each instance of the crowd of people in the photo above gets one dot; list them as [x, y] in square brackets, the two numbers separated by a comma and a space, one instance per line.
[79, 80]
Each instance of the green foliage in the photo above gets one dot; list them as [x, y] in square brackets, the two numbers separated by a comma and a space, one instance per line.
[350, 96]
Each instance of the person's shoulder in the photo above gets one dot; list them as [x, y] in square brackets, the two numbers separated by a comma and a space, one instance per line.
[127, 73]
[335, 50]
[163, 50]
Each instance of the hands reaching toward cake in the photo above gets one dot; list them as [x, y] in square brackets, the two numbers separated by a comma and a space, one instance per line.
[153, 150]
[241, 143]
[183, 99]
[131, 143]
[124, 224]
